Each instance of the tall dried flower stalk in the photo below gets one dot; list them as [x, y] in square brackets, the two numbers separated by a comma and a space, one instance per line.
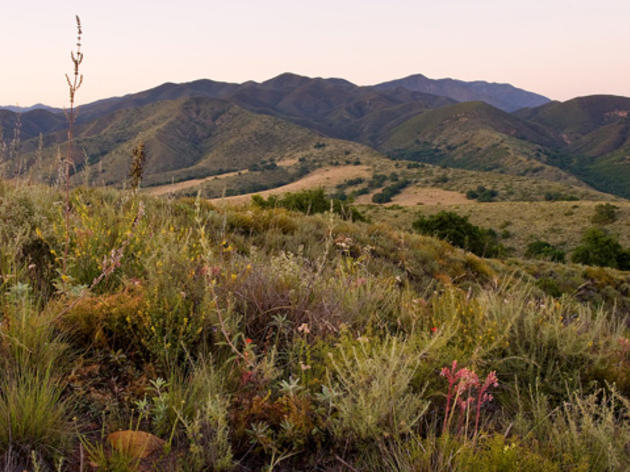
[16, 144]
[137, 166]
[39, 153]
[86, 168]
[3, 149]
[74, 84]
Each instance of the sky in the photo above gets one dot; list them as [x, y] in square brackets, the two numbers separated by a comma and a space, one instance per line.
[558, 48]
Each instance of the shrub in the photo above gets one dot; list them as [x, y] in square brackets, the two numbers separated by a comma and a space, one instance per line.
[600, 248]
[605, 214]
[458, 231]
[498, 454]
[560, 341]
[378, 180]
[544, 250]
[369, 391]
[482, 194]
[390, 191]
[195, 407]
[309, 202]
[557, 197]
[588, 432]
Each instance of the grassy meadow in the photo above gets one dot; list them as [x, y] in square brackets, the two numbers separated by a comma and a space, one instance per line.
[517, 223]
[148, 333]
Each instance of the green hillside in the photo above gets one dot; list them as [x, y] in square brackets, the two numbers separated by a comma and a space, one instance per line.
[186, 139]
[30, 123]
[579, 116]
[475, 136]
[594, 139]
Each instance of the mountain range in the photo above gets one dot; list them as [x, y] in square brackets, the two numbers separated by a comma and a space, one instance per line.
[202, 128]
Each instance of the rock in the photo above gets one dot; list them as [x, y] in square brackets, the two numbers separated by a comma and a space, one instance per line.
[137, 444]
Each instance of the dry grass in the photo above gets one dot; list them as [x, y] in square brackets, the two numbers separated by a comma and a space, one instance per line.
[559, 223]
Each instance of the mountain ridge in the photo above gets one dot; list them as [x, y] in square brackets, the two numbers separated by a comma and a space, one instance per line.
[586, 138]
[504, 96]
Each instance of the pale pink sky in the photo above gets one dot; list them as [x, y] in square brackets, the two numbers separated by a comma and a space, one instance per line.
[559, 48]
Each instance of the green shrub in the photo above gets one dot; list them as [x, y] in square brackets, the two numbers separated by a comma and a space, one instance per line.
[557, 197]
[586, 432]
[560, 341]
[498, 454]
[390, 191]
[605, 214]
[195, 409]
[600, 248]
[544, 250]
[309, 202]
[458, 231]
[482, 194]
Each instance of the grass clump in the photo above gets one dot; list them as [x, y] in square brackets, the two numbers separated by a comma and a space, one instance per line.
[35, 418]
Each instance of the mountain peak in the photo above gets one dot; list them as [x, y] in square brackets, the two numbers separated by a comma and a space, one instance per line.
[503, 96]
[37, 106]
[286, 79]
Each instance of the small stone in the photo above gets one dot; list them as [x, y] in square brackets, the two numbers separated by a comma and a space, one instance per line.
[137, 444]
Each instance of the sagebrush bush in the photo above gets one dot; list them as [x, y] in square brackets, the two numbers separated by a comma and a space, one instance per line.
[193, 410]
[370, 391]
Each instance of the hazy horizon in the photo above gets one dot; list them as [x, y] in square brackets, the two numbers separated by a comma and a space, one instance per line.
[560, 49]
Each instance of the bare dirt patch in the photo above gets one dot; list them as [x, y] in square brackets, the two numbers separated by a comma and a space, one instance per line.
[287, 162]
[411, 196]
[172, 188]
[326, 177]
